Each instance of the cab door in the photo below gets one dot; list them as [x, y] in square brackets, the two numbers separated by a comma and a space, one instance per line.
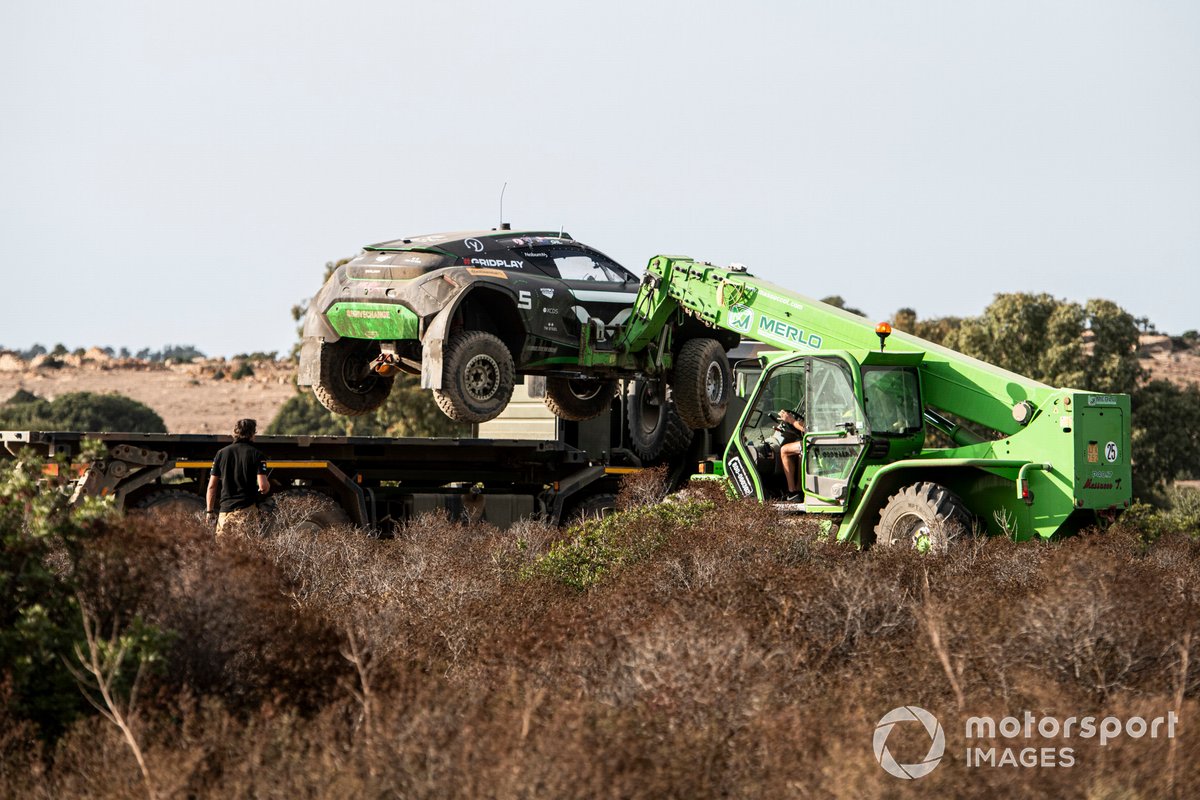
[834, 442]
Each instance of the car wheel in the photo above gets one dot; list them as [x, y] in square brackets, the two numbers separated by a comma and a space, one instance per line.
[346, 384]
[702, 383]
[579, 399]
[655, 430]
[477, 377]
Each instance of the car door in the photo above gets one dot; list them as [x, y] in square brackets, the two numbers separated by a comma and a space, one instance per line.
[598, 286]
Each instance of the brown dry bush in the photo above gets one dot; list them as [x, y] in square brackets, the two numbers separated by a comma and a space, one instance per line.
[742, 655]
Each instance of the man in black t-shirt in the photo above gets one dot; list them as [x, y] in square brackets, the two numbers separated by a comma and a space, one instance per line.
[239, 471]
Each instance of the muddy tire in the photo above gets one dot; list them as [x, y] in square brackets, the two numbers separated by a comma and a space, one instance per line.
[345, 383]
[656, 431]
[925, 516]
[477, 377]
[579, 399]
[305, 510]
[597, 506]
[702, 383]
[171, 502]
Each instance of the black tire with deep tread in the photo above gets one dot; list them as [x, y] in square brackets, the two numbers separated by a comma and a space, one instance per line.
[455, 398]
[576, 400]
[926, 505]
[170, 501]
[655, 430]
[306, 509]
[702, 383]
[344, 384]
[598, 505]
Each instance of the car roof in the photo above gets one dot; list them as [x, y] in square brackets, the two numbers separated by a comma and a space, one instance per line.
[431, 240]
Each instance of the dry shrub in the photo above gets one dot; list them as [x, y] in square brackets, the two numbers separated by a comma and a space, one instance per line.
[734, 652]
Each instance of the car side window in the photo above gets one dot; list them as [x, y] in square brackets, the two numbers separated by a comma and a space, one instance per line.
[541, 259]
[577, 264]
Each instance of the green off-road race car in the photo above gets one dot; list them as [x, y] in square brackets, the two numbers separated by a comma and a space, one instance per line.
[468, 312]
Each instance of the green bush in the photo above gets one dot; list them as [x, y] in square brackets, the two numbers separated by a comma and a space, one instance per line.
[596, 547]
[79, 411]
[409, 411]
[43, 539]
[1179, 512]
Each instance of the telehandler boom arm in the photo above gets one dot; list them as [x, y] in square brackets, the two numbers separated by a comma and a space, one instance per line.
[734, 300]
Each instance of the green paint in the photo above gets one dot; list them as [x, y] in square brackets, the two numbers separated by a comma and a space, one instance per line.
[1071, 453]
[382, 321]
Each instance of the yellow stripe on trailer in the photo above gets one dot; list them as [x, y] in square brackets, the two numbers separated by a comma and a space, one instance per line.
[621, 470]
[270, 464]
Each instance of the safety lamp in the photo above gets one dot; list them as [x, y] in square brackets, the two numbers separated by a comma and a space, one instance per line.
[883, 330]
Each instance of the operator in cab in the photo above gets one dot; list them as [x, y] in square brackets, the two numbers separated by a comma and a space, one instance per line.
[790, 453]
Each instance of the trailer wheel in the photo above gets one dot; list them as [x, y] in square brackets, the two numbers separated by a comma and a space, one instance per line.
[346, 384]
[597, 506]
[702, 383]
[925, 516]
[305, 510]
[579, 399]
[655, 429]
[477, 377]
[171, 501]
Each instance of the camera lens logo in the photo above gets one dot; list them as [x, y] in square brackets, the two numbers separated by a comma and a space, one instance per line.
[936, 748]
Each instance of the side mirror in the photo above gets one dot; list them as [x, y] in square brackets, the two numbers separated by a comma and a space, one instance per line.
[745, 376]
[741, 388]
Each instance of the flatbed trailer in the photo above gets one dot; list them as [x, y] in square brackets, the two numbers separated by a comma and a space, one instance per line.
[375, 482]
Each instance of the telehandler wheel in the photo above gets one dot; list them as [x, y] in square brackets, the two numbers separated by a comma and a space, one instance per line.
[655, 429]
[579, 399]
[171, 501]
[477, 377]
[304, 510]
[925, 516]
[346, 384]
[702, 383]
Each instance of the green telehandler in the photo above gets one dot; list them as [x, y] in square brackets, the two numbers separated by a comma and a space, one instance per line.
[1020, 458]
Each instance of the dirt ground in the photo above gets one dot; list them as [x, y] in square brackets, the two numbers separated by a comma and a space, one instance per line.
[196, 397]
[1164, 360]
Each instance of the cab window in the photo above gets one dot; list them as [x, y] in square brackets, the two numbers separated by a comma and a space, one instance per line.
[893, 400]
[783, 391]
[831, 400]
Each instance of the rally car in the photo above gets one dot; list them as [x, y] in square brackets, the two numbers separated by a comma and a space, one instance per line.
[466, 311]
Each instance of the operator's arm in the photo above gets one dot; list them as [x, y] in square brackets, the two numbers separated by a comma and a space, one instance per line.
[792, 419]
[211, 504]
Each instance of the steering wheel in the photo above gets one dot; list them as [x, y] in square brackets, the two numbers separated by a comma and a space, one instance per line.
[784, 429]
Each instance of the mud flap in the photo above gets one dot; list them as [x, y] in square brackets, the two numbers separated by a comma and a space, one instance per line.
[432, 341]
[310, 362]
[431, 364]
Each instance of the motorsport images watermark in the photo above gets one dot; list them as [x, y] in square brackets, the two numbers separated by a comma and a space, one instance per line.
[1026, 728]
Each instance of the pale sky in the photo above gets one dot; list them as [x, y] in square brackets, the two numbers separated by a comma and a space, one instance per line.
[179, 172]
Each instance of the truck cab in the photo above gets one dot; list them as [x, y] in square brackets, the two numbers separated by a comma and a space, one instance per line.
[857, 409]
